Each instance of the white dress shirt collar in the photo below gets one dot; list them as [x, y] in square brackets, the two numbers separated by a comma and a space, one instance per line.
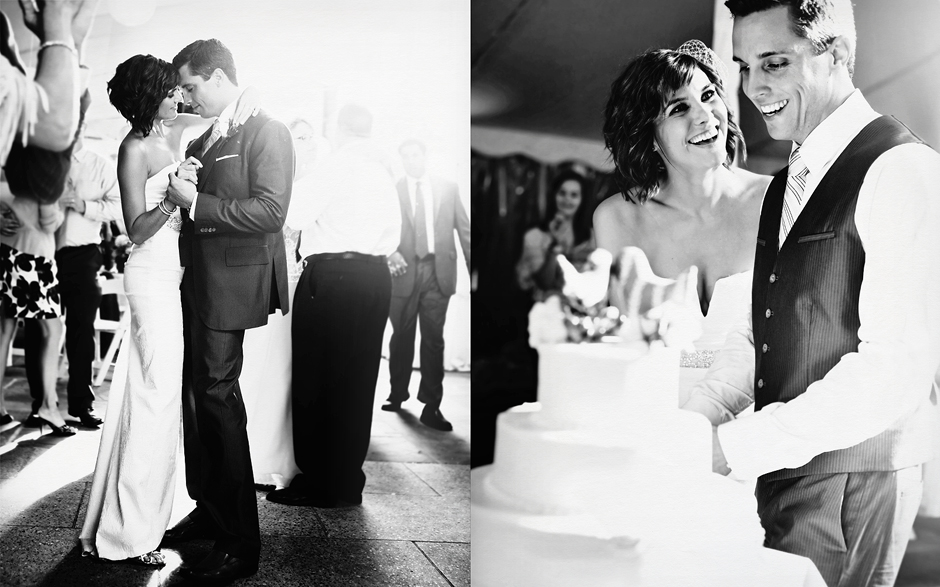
[832, 135]
[412, 181]
[225, 118]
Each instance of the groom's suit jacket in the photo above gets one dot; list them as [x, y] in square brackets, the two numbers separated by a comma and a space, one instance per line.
[449, 215]
[232, 241]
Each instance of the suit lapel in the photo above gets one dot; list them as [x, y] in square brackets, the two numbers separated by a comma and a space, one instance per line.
[406, 203]
[209, 158]
[437, 193]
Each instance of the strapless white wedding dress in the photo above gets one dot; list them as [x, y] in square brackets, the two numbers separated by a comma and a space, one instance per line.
[729, 302]
[135, 476]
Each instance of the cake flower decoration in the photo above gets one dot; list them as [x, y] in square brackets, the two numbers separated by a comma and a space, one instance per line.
[609, 300]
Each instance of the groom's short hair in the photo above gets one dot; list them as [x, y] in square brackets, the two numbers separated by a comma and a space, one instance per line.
[819, 21]
[206, 56]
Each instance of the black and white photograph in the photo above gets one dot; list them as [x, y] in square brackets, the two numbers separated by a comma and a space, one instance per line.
[706, 331]
[245, 342]
[235, 292]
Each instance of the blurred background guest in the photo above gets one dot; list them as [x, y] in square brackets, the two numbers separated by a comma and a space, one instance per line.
[91, 199]
[30, 291]
[566, 231]
[424, 277]
[350, 224]
[38, 119]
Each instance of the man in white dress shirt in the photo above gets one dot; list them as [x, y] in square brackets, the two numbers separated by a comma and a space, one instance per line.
[843, 338]
[350, 223]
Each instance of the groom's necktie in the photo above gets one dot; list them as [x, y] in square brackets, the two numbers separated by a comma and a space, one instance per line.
[421, 229]
[214, 136]
[793, 195]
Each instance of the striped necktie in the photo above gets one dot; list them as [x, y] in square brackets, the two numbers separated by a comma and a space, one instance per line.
[214, 136]
[793, 196]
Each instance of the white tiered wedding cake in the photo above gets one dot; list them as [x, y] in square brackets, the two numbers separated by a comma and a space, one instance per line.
[605, 482]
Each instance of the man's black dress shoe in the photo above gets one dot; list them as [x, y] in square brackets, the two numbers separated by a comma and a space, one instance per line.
[220, 568]
[391, 406]
[288, 496]
[33, 421]
[192, 527]
[435, 419]
[87, 418]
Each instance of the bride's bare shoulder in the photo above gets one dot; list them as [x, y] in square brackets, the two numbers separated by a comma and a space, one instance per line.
[753, 185]
[614, 222]
[615, 208]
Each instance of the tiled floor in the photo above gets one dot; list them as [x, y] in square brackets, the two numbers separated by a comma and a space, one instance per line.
[413, 527]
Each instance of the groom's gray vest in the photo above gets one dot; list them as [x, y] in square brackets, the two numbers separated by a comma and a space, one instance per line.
[805, 304]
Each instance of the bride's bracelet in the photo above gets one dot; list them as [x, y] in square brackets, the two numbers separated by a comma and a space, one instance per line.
[164, 209]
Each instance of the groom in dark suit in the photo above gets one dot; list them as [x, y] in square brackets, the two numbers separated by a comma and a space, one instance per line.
[424, 276]
[235, 275]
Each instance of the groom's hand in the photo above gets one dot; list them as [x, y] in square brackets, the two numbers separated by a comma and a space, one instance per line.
[189, 170]
[180, 192]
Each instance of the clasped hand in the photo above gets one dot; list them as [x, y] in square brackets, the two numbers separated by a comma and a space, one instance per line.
[397, 264]
[182, 188]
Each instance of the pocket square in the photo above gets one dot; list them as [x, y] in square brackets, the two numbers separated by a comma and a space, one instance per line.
[226, 157]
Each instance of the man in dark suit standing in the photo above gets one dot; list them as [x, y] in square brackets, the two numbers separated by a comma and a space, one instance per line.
[232, 249]
[424, 272]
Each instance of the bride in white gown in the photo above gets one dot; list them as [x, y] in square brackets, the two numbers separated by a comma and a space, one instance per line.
[673, 140]
[133, 486]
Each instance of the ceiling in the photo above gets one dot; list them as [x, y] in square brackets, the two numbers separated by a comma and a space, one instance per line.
[544, 66]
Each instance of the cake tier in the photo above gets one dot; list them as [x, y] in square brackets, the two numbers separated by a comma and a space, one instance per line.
[553, 469]
[597, 386]
[690, 534]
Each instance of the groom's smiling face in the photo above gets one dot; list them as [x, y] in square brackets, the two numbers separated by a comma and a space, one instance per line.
[202, 94]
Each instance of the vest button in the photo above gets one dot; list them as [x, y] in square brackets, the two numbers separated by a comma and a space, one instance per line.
[765, 348]
[773, 277]
[760, 383]
[768, 313]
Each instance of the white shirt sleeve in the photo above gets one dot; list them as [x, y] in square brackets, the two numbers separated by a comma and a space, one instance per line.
[104, 204]
[898, 220]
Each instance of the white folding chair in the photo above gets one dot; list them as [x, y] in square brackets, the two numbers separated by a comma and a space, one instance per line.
[116, 327]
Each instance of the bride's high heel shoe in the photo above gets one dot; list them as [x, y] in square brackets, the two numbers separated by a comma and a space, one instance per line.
[153, 558]
[64, 430]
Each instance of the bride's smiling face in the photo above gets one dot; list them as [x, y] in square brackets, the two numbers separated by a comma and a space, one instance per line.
[693, 127]
[169, 107]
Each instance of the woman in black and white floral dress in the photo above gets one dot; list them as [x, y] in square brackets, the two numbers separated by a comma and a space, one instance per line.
[29, 289]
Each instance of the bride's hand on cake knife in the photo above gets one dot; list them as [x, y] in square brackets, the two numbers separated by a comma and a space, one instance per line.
[719, 464]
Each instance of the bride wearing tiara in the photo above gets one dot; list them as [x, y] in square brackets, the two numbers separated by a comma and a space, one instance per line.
[673, 140]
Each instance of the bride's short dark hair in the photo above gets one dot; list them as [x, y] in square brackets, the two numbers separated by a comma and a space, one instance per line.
[637, 99]
[138, 87]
